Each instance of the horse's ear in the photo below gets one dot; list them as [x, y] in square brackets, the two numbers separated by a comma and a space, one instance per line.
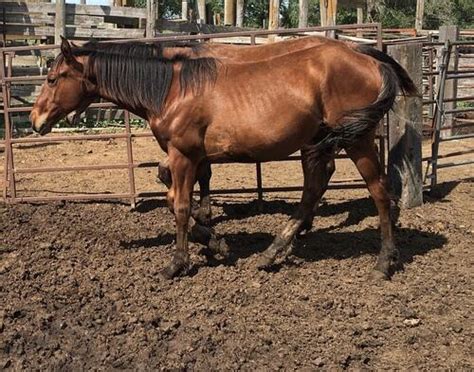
[66, 50]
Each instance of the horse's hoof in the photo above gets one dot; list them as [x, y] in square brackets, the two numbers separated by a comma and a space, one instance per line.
[219, 246]
[224, 249]
[201, 234]
[264, 262]
[173, 270]
[203, 218]
[305, 229]
[378, 276]
[166, 274]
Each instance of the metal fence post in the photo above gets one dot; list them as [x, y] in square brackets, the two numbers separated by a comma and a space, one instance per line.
[9, 175]
[439, 113]
[131, 172]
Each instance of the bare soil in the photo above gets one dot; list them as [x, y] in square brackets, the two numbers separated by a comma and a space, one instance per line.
[80, 288]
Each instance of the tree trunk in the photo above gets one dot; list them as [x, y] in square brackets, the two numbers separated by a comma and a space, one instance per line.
[303, 14]
[274, 15]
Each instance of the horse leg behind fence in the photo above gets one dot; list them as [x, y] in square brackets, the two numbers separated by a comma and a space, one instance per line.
[326, 175]
[316, 177]
[202, 211]
[199, 229]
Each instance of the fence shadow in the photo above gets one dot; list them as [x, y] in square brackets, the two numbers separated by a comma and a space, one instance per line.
[444, 189]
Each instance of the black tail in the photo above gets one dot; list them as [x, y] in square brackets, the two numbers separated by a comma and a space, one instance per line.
[405, 83]
[355, 124]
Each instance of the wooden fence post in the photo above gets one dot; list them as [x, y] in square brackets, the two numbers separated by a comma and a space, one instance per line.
[60, 21]
[360, 20]
[303, 14]
[405, 132]
[229, 12]
[328, 9]
[201, 5]
[239, 13]
[151, 17]
[420, 10]
[184, 10]
[450, 33]
[274, 15]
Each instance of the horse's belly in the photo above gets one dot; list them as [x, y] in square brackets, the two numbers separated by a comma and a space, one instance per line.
[257, 142]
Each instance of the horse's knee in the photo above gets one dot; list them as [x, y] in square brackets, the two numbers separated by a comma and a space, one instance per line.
[164, 173]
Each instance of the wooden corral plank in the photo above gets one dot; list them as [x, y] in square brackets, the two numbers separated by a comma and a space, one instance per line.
[239, 40]
[77, 32]
[32, 19]
[185, 26]
[93, 10]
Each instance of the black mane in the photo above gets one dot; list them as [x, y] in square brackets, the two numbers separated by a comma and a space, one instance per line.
[137, 74]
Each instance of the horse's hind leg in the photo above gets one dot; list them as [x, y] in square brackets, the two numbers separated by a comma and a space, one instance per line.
[366, 159]
[315, 173]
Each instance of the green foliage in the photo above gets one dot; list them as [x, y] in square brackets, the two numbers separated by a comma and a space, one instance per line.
[255, 13]
[166, 8]
[438, 13]
[464, 13]
[216, 6]
[391, 13]
[401, 13]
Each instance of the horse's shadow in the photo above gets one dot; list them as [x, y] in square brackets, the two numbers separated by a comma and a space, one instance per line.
[357, 210]
[325, 244]
[318, 244]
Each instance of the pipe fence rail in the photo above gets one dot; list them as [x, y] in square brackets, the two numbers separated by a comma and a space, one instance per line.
[10, 170]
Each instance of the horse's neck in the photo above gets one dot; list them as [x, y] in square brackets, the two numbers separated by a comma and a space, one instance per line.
[141, 112]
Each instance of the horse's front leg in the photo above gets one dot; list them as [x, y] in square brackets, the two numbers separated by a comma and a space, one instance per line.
[315, 173]
[202, 211]
[183, 172]
[204, 214]
[326, 176]
[200, 214]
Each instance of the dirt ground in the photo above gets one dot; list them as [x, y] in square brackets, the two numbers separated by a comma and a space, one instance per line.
[80, 288]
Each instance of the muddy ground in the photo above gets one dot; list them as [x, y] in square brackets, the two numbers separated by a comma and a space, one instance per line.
[80, 289]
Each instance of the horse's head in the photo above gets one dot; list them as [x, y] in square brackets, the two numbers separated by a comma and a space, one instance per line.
[65, 90]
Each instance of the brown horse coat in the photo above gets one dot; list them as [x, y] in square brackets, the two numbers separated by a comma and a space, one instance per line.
[205, 109]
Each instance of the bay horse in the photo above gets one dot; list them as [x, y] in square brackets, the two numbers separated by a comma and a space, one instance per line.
[235, 53]
[204, 109]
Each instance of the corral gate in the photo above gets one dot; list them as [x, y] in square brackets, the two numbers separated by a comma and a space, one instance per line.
[444, 127]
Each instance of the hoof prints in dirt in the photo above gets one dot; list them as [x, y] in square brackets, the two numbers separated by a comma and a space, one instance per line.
[80, 289]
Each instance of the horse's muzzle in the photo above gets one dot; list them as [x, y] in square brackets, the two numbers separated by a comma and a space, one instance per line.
[39, 123]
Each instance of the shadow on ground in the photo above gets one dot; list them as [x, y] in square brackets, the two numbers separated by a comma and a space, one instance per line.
[316, 245]
[442, 190]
